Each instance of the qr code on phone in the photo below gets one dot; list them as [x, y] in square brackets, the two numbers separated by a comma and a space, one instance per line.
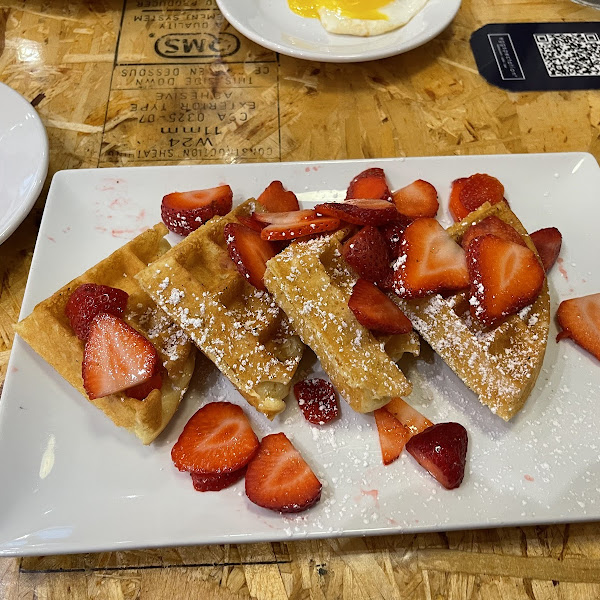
[570, 54]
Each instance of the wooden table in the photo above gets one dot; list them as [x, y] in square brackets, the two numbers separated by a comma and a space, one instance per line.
[84, 66]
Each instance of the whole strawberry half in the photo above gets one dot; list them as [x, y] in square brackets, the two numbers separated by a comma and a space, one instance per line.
[442, 450]
[89, 300]
[278, 478]
[217, 439]
[368, 254]
[317, 400]
[547, 242]
[184, 212]
[116, 357]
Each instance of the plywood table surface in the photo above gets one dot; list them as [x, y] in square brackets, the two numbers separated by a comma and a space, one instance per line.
[108, 97]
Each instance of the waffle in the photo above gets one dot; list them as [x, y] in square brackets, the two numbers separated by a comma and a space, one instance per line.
[237, 326]
[312, 283]
[48, 332]
[500, 365]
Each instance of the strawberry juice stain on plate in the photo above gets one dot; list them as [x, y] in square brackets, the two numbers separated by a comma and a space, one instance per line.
[561, 268]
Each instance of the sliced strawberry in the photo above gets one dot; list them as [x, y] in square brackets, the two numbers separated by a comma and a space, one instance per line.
[276, 198]
[479, 189]
[214, 483]
[317, 400]
[367, 253]
[430, 261]
[375, 311]
[369, 184]
[392, 233]
[217, 439]
[495, 226]
[250, 222]
[116, 357]
[89, 300]
[407, 415]
[419, 199]
[392, 435]
[249, 252]
[547, 242]
[360, 211]
[294, 224]
[184, 212]
[505, 277]
[457, 210]
[278, 478]
[442, 450]
[580, 321]
[141, 391]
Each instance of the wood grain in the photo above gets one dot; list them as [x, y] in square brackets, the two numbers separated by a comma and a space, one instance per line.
[66, 57]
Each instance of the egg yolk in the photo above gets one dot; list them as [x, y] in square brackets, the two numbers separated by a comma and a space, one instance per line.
[353, 9]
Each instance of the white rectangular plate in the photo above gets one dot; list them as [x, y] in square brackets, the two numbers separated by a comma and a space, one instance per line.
[73, 482]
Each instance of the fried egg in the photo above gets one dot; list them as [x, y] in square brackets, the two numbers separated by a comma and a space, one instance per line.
[359, 17]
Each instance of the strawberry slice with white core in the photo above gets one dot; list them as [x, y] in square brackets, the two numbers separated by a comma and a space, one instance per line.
[294, 224]
[371, 183]
[214, 483]
[368, 254]
[494, 226]
[249, 252]
[419, 199]
[393, 435]
[116, 357]
[89, 300]
[505, 277]
[430, 261]
[580, 321]
[278, 478]
[184, 212]
[547, 242]
[375, 311]
[276, 198]
[360, 211]
[217, 439]
[410, 417]
[442, 450]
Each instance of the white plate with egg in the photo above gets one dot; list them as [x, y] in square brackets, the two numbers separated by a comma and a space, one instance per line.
[274, 25]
